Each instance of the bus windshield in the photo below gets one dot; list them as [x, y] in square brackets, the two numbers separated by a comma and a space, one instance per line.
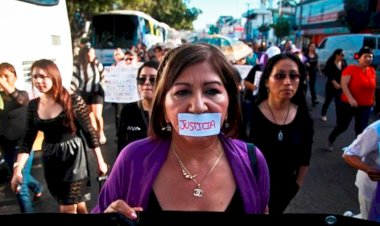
[124, 29]
[112, 31]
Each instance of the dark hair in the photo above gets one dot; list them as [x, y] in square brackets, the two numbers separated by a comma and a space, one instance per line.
[363, 50]
[130, 52]
[174, 63]
[159, 48]
[82, 56]
[59, 93]
[150, 63]
[83, 60]
[9, 67]
[299, 97]
[332, 57]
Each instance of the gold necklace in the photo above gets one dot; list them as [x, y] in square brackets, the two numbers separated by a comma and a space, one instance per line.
[198, 191]
[280, 135]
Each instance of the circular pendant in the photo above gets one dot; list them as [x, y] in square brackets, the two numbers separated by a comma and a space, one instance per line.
[198, 192]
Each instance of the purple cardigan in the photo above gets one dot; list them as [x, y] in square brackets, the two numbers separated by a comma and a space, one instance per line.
[138, 164]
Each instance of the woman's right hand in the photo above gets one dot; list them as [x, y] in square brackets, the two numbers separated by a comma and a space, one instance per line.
[373, 174]
[123, 208]
[16, 180]
[336, 86]
[353, 102]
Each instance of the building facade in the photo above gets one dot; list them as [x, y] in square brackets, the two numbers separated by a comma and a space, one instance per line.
[317, 19]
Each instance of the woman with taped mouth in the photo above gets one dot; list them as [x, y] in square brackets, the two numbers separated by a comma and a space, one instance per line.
[179, 168]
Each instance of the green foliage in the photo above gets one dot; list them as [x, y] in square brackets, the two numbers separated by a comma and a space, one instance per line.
[175, 13]
[172, 12]
[281, 27]
[263, 28]
[213, 30]
[80, 11]
[357, 16]
[287, 3]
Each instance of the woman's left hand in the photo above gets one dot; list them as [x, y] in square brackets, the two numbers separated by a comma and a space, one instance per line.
[103, 168]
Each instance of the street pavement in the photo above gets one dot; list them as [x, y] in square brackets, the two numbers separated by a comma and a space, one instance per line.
[328, 189]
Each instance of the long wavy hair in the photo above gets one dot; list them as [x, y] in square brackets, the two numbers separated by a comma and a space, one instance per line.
[58, 92]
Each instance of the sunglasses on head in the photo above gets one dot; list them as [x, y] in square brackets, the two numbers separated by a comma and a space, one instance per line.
[282, 75]
[141, 80]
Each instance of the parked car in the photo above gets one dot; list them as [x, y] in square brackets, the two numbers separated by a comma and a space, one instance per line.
[351, 44]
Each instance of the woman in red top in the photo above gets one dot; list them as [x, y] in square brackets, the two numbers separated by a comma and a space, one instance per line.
[358, 84]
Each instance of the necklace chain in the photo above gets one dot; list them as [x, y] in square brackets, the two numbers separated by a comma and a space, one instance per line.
[280, 135]
[197, 192]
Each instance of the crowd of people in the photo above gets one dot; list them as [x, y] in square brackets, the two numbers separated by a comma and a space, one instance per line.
[183, 145]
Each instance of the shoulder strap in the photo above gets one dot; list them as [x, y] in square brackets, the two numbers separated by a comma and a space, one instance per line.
[252, 157]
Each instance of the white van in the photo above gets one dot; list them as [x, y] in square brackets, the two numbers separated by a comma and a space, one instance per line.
[351, 44]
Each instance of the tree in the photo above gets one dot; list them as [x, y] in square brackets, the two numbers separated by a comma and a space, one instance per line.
[263, 28]
[357, 16]
[213, 29]
[175, 13]
[172, 12]
[81, 11]
[281, 27]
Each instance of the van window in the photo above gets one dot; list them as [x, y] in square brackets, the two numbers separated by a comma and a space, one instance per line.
[370, 42]
[322, 44]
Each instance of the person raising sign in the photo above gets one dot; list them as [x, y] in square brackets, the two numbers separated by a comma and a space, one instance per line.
[201, 169]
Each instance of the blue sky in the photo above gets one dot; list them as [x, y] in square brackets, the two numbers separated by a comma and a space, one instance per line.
[212, 9]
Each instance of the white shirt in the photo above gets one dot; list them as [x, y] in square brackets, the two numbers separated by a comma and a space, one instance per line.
[366, 146]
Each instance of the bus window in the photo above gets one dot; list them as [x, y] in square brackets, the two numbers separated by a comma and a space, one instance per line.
[147, 29]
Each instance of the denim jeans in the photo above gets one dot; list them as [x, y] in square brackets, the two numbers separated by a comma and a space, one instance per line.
[29, 182]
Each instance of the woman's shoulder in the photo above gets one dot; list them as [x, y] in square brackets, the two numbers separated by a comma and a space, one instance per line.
[241, 147]
[33, 102]
[143, 147]
[129, 107]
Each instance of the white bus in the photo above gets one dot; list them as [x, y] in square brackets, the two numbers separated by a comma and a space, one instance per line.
[123, 29]
[32, 30]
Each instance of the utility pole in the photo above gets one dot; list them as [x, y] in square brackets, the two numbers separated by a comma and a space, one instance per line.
[299, 26]
[248, 32]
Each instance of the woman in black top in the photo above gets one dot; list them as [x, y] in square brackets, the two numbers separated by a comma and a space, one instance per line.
[312, 66]
[333, 70]
[282, 128]
[134, 116]
[12, 130]
[61, 117]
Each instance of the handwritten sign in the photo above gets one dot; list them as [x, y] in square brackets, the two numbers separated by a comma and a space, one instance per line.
[120, 84]
[243, 70]
[257, 82]
[199, 125]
